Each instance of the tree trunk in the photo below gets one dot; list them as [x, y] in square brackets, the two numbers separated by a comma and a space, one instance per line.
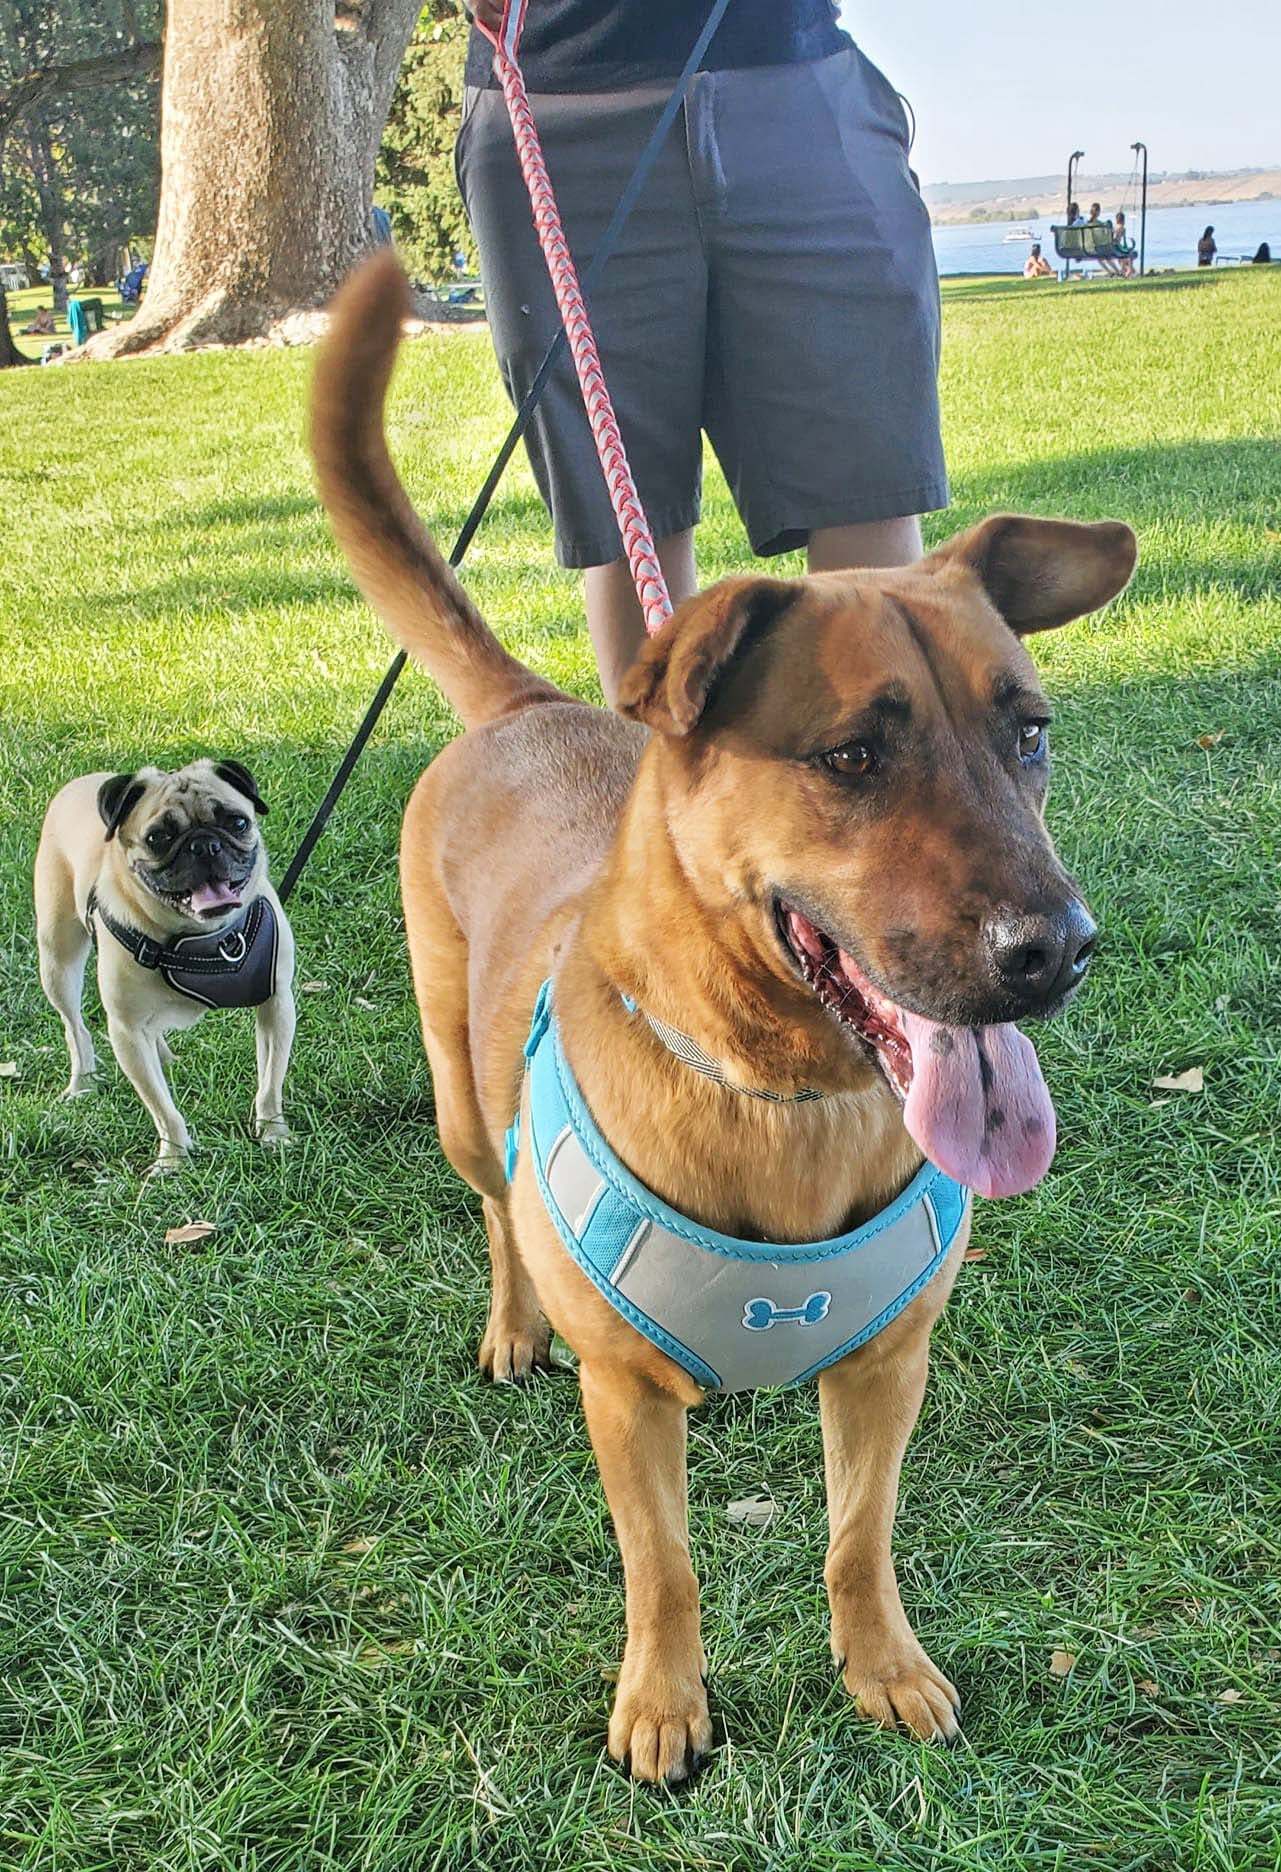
[9, 352]
[44, 171]
[270, 119]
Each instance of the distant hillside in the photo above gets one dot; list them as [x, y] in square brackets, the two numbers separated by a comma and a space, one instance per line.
[1038, 196]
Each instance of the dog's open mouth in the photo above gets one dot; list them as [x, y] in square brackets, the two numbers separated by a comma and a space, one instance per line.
[213, 898]
[974, 1099]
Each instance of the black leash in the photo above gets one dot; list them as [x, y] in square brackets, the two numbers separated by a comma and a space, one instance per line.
[626, 202]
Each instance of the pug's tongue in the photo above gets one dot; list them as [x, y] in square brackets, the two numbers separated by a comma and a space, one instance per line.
[214, 896]
[978, 1105]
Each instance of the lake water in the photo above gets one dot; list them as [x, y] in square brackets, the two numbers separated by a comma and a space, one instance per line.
[981, 247]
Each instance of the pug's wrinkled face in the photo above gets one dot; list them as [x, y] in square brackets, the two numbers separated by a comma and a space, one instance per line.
[185, 843]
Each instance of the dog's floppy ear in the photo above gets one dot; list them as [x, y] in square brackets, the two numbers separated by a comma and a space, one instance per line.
[1043, 573]
[669, 684]
[117, 798]
[242, 781]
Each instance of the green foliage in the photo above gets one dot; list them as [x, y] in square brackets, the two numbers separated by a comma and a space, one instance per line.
[415, 172]
[79, 174]
[286, 1586]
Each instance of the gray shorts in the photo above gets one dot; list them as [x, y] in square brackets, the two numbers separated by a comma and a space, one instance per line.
[774, 286]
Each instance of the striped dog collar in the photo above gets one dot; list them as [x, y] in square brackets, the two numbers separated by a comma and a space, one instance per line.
[689, 1053]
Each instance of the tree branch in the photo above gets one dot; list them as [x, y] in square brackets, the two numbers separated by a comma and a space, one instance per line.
[389, 20]
[135, 61]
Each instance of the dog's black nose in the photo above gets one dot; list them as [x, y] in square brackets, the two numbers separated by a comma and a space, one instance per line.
[1039, 955]
[204, 845]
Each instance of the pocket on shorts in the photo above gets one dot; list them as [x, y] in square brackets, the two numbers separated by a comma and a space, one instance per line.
[881, 99]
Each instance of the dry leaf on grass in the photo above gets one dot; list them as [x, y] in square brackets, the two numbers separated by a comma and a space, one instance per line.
[1061, 1662]
[752, 1510]
[363, 1002]
[1193, 1080]
[1147, 1687]
[314, 987]
[975, 1254]
[8, 1069]
[1209, 740]
[361, 1544]
[379, 1656]
[189, 1232]
[1228, 1696]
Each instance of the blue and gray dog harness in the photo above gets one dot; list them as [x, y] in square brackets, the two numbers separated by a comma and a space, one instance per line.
[734, 1314]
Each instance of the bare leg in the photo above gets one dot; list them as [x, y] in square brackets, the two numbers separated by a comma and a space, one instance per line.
[872, 543]
[139, 1057]
[615, 621]
[869, 1405]
[660, 1724]
[64, 950]
[274, 1037]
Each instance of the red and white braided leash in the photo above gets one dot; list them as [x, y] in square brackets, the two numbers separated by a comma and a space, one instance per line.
[638, 541]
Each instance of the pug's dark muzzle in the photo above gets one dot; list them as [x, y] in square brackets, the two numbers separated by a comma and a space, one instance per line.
[204, 875]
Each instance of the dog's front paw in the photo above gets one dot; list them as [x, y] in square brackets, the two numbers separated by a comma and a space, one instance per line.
[514, 1347]
[81, 1086]
[167, 1163]
[272, 1132]
[893, 1681]
[660, 1727]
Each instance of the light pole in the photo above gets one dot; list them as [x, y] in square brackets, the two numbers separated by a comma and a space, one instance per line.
[1073, 160]
[1143, 208]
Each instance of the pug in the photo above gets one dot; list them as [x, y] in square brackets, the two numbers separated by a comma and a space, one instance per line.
[166, 874]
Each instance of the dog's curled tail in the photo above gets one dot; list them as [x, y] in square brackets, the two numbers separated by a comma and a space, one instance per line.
[393, 557]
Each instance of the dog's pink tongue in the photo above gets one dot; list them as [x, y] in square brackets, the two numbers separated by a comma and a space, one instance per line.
[213, 896]
[978, 1105]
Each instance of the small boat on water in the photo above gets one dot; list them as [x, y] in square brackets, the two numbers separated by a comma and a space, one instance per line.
[1022, 234]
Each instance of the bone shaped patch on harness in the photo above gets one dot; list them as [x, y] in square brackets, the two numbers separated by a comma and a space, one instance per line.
[760, 1315]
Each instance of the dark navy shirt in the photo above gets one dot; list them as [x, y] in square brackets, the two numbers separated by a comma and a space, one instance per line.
[607, 45]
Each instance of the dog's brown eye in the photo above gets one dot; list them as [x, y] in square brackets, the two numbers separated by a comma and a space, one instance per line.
[1031, 740]
[854, 760]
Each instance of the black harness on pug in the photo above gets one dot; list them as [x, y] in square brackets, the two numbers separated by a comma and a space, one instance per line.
[234, 968]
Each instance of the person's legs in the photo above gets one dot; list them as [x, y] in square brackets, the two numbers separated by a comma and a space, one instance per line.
[870, 543]
[649, 312]
[615, 621]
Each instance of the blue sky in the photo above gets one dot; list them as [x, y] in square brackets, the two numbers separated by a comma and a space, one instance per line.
[1011, 87]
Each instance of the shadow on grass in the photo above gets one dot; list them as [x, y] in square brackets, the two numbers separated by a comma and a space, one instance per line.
[1187, 485]
[276, 525]
[235, 513]
[988, 288]
[1234, 481]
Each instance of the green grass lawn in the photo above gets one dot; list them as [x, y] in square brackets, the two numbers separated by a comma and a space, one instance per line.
[284, 1584]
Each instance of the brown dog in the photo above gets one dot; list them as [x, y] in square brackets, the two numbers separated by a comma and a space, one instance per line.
[815, 848]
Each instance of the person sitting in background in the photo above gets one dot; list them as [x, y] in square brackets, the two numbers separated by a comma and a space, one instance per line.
[1121, 260]
[1075, 217]
[1206, 248]
[1264, 256]
[1036, 266]
[1096, 214]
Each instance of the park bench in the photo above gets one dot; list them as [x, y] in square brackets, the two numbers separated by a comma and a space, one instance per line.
[1084, 241]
